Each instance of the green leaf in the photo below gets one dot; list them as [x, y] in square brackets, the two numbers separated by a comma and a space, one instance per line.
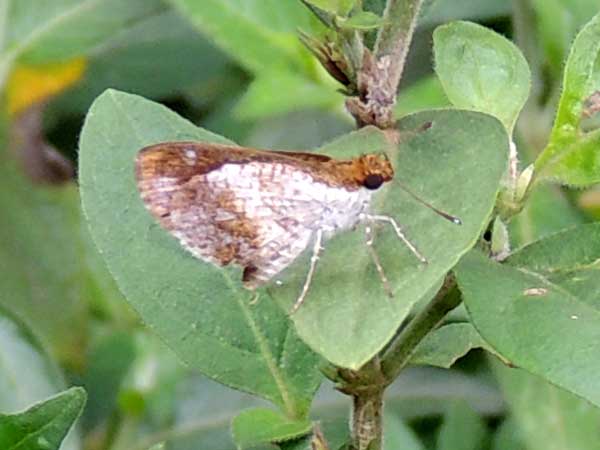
[363, 20]
[507, 437]
[481, 70]
[44, 425]
[398, 435]
[447, 344]
[262, 426]
[259, 34]
[282, 92]
[52, 31]
[462, 429]
[200, 311]
[27, 373]
[572, 156]
[347, 316]
[546, 417]
[547, 286]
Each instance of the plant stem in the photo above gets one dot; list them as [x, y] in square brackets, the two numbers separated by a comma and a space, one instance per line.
[380, 72]
[394, 37]
[401, 350]
[367, 412]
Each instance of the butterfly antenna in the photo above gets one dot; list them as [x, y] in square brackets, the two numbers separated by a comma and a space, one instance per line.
[455, 220]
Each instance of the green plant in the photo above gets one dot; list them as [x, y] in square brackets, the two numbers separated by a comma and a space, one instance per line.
[494, 156]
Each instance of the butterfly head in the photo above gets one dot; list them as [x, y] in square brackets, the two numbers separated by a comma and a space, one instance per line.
[374, 170]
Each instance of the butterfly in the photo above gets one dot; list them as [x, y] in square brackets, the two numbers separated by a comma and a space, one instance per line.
[261, 209]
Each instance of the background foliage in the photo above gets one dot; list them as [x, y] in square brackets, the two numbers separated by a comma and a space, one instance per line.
[237, 68]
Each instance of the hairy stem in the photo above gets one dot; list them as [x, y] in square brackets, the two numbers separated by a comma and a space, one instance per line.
[401, 350]
[394, 37]
[380, 72]
[367, 416]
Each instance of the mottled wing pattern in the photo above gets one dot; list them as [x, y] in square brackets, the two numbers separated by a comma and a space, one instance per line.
[229, 205]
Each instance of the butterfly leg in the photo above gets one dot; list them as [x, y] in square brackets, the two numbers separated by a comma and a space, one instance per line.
[377, 262]
[399, 233]
[313, 264]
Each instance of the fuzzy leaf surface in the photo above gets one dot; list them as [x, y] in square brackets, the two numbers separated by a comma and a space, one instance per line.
[547, 286]
[202, 312]
[477, 67]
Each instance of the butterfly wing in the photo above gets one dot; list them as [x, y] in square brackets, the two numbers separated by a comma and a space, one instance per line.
[231, 205]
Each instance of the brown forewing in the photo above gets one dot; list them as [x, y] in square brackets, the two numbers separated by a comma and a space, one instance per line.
[210, 218]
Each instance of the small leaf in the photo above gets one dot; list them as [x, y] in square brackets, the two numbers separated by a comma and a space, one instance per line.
[44, 425]
[200, 311]
[572, 156]
[548, 286]
[462, 429]
[364, 20]
[261, 426]
[446, 345]
[481, 70]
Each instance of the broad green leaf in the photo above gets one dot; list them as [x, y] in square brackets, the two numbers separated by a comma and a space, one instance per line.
[519, 307]
[283, 92]
[572, 156]
[398, 435]
[462, 429]
[44, 425]
[259, 34]
[481, 70]
[200, 311]
[447, 344]
[262, 426]
[41, 32]
[347, 316]
[546, 417]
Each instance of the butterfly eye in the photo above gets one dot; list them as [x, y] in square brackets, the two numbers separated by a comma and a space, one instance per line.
[373, 181]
